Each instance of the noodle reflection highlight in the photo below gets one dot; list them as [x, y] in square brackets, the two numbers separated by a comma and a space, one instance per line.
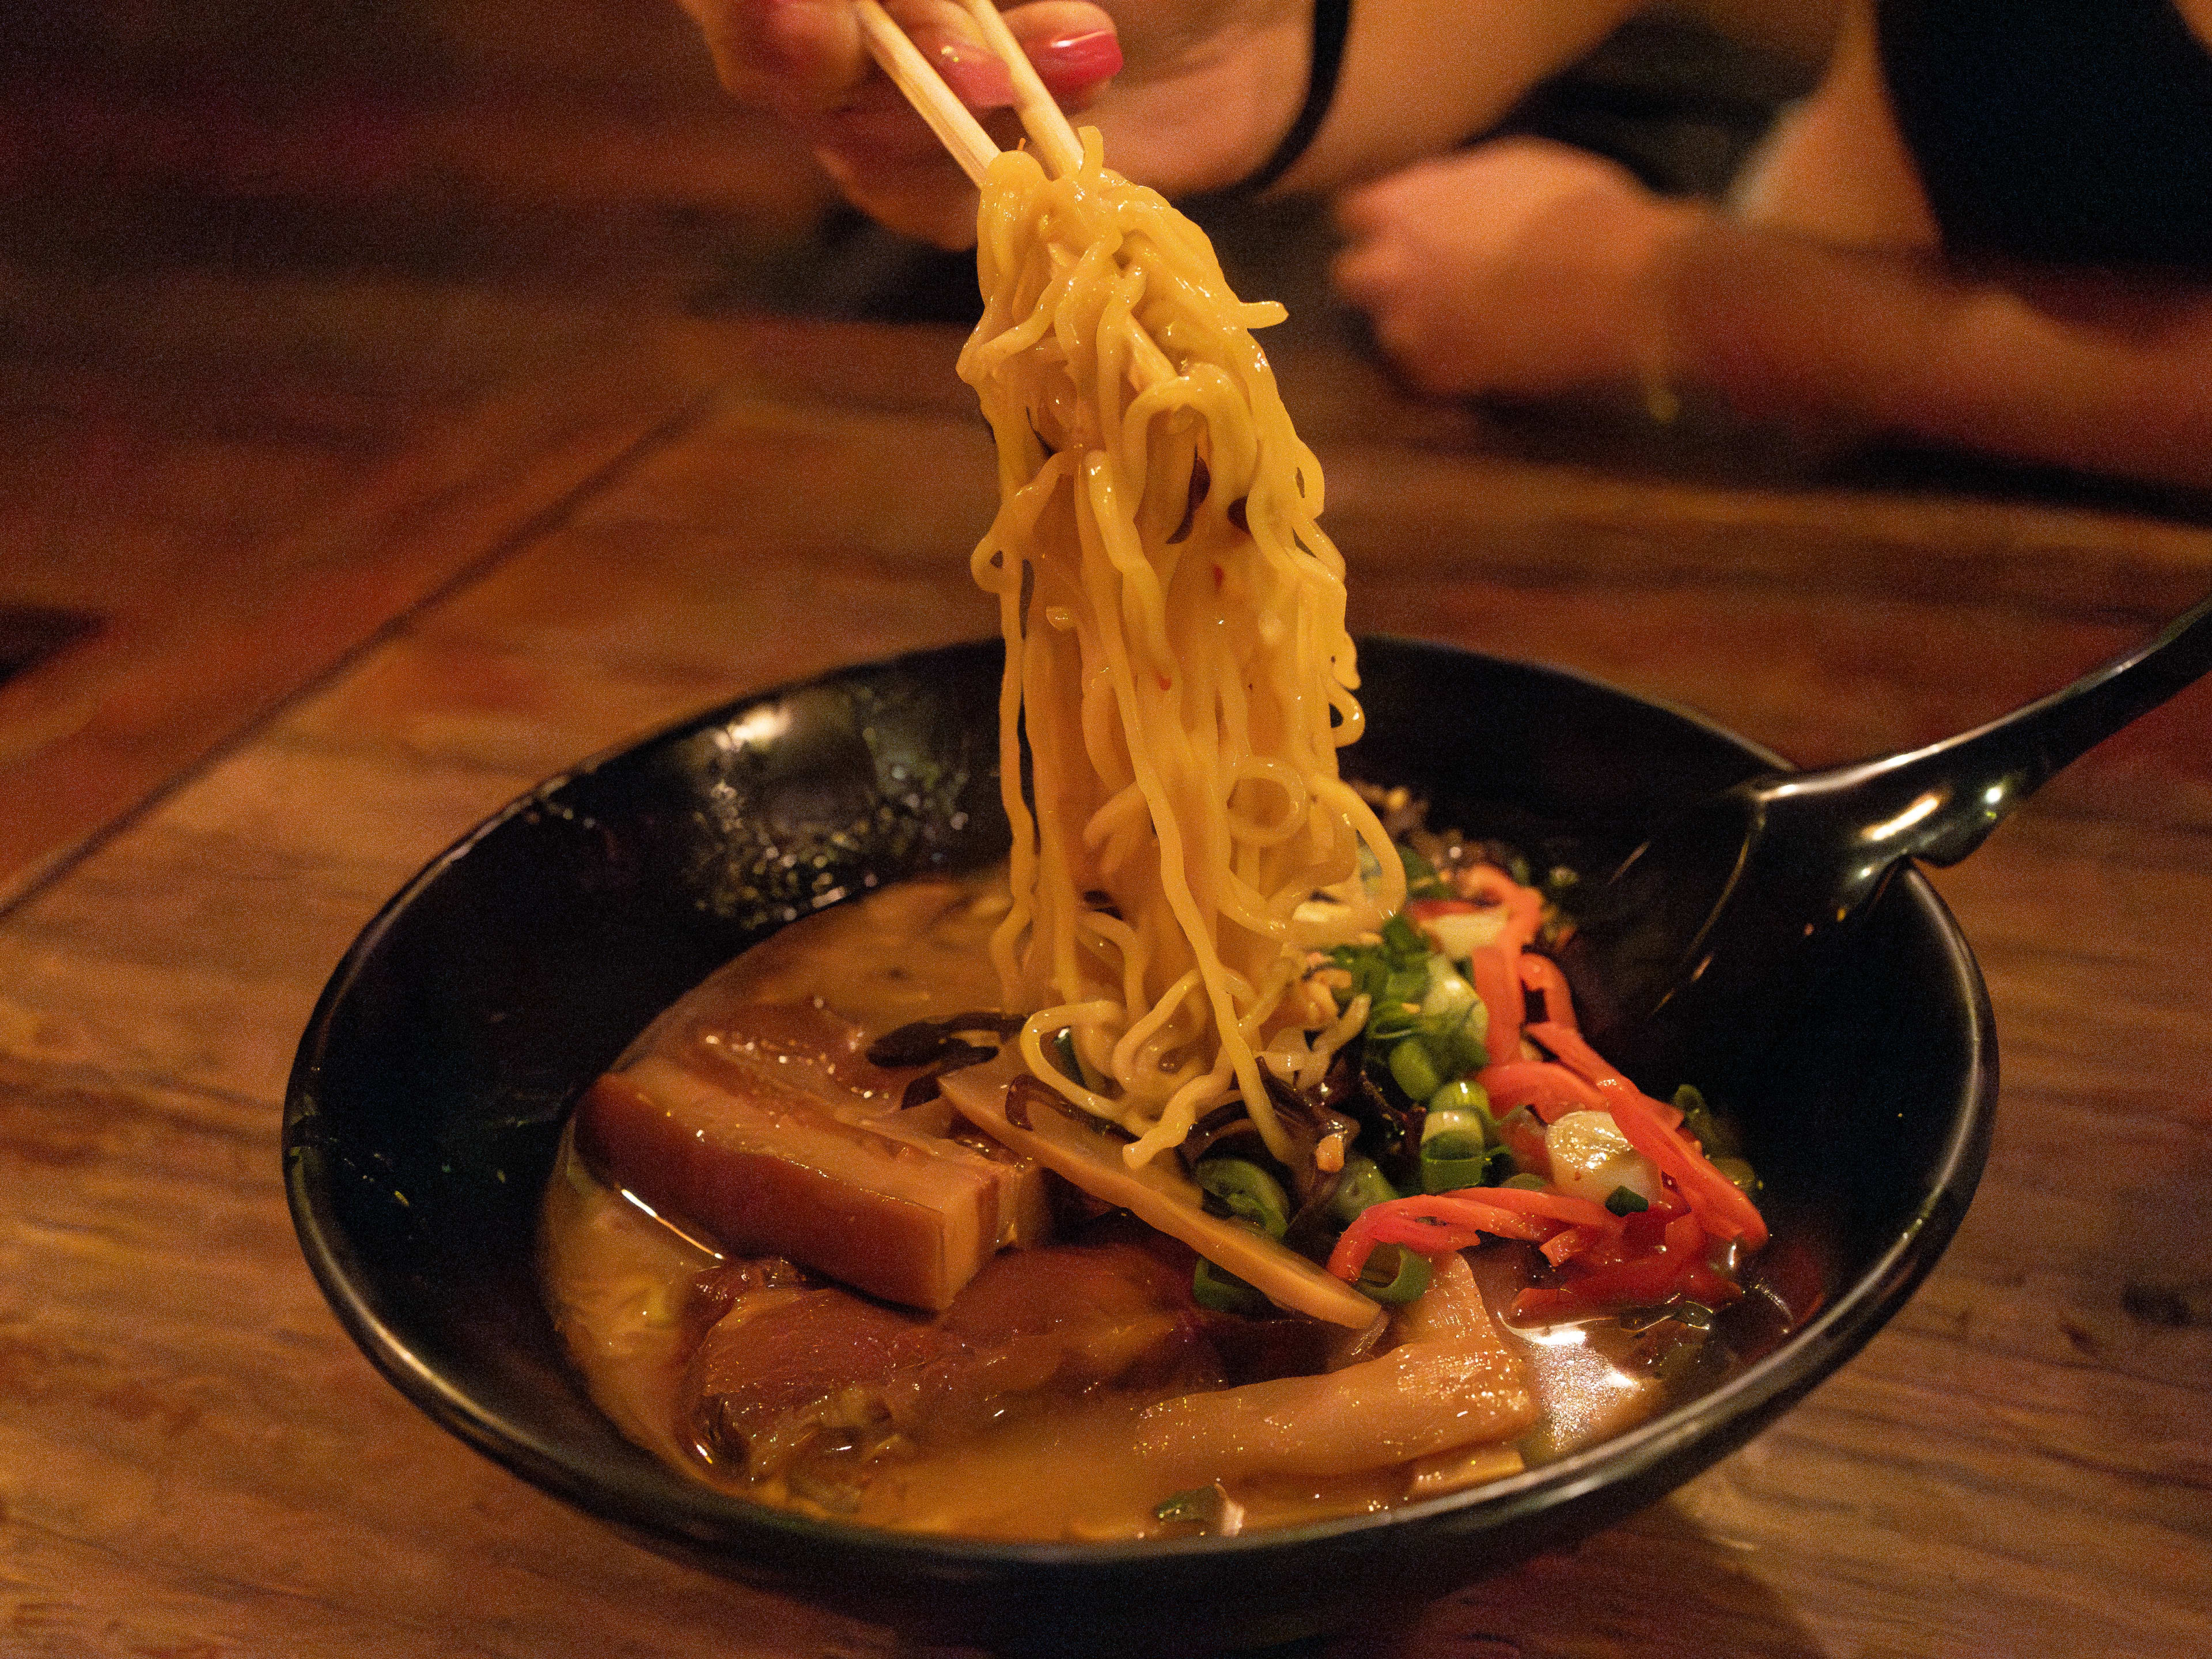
[1178, 675]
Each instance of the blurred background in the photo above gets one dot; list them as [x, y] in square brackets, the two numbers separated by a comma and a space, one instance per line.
[260, 258]
[283, 281]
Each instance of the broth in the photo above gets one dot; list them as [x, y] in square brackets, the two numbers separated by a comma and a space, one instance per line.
[1064, 1462]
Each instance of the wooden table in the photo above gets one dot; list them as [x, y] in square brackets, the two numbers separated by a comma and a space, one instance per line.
[414, 544]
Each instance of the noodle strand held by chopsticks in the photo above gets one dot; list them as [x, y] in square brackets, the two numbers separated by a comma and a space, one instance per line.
[1177, 667]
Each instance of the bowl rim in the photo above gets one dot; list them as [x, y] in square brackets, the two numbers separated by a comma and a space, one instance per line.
[1708, 1426]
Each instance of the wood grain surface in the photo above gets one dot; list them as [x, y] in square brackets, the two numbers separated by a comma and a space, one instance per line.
[387, 548]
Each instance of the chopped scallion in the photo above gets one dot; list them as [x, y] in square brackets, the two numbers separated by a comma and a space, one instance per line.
[1223, 1293]
[1626, 1200]
[1361, 1184]
[1464, 1094]
[1450, 1175]
[1393, 1281]
[1414, 1069]
[1422, 880]
[1247, 1192]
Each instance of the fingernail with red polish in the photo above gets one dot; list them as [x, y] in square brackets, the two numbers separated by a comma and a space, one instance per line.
[1078, 60]
[977, 78]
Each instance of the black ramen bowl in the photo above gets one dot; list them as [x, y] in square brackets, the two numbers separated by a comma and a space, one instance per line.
[431, 1088]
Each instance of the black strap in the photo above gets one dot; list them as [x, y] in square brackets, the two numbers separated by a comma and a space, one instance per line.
[1332, 22]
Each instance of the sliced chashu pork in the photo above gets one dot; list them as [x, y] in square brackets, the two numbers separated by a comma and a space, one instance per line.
[766, 1129]
[788, 1372]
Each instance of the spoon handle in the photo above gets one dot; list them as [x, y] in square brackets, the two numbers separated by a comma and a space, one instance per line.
[1972, 781]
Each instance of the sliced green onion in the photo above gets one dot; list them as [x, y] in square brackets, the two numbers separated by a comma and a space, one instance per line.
[1414, 1070]
[1247, 1192]
[1404, 942]
[1464, 1094]
[1223, 1293]
[1626, 1200]
[1471, 1123]
[1422, 880]
[1455, 1145]
[1405, 985]
[1199, 1504]
[1450, 1175]
[1361, 1184]
[1703, 1123]
[1397, 962]
[1397, 1281]
[1449, 991]
[1455, 1041]
[1210, 1508]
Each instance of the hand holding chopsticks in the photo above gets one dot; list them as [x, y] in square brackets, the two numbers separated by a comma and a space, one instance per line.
[955, 126]
[808, 64]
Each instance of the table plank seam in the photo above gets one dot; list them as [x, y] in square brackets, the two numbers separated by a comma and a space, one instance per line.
[533, 528]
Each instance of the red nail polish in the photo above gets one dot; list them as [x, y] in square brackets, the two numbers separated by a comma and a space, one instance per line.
[1078, 60]
[975, 76]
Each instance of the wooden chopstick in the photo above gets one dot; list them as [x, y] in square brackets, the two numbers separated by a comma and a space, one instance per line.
[1058, 147]
[955, 126]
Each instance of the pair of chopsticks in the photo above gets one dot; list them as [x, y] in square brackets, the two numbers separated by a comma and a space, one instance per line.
[955, 126]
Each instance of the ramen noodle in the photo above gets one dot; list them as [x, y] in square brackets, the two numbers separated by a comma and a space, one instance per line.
[1176, 659]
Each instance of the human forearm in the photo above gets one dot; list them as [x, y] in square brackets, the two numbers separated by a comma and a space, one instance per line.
[1211, 89]
[1422, 75]
[1525, 269]
[2097, 372]
[1193, 95]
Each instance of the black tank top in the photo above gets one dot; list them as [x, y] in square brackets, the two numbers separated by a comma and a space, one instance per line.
[2073, 131]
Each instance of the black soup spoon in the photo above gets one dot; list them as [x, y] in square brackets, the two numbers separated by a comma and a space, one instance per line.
[1706, 934]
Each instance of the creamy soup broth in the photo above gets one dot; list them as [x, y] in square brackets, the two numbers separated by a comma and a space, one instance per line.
[619, 1281]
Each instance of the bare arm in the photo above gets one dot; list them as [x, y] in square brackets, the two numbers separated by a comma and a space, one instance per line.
[1530, 269]
[1422, 75]
[1191, 95]
[1829, 303]
[2097, 372]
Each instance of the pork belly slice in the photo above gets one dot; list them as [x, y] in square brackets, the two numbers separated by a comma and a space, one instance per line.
[769, 1142]
[822, 1375]
[802, 1042]
[785, 1372]
[1116, 1308]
